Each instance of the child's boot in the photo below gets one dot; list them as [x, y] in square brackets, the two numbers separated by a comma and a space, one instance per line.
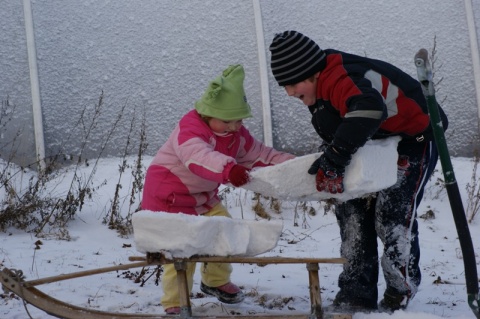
[228, 293]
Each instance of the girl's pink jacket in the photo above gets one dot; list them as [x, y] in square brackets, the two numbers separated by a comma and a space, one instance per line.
[185, 174]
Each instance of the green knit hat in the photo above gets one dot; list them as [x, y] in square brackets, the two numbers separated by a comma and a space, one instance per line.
[225, 97]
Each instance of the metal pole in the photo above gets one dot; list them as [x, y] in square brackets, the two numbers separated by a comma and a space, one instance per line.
[262, 61]
[34, 84]
[474, 49]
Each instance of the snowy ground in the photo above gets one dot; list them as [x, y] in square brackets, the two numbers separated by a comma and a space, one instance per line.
[271, 289]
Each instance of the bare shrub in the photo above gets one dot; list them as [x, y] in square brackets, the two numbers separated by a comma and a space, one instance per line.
[473, 191]
[114, 217]
[34, 201]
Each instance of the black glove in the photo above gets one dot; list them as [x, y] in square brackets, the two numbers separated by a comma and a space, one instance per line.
[322, 148]
[330, 170]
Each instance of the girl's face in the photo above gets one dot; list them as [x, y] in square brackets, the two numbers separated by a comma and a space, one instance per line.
[224, 127]
[306, 90]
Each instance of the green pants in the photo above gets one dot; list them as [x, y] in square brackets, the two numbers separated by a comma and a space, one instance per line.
[213, 274]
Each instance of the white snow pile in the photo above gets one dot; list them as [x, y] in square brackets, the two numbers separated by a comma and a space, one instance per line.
[372, 168]
[182, 235]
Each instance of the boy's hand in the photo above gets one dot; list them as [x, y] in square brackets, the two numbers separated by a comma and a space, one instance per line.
[329, 175]
[238, 175]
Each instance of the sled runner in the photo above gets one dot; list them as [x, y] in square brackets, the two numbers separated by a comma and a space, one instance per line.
[11, 280]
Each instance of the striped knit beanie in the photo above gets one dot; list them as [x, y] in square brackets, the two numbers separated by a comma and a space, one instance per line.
[295, 57]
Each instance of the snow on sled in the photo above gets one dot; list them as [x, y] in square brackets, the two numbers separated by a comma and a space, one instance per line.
[181, 235]
[372, 168]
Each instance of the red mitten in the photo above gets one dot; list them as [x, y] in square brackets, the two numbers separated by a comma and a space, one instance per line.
[329, 181]
[239, 175]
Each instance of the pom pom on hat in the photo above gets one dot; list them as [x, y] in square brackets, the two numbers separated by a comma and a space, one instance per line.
[225, 97]
[295, 57]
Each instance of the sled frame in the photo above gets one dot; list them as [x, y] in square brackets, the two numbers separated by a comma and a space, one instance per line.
[11, 280]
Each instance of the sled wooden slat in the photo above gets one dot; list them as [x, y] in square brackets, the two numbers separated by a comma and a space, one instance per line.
[48, 280]
[26, 290]
[160, 258]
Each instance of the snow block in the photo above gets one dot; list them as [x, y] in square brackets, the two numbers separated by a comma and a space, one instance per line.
[372, 168]
[182, 235]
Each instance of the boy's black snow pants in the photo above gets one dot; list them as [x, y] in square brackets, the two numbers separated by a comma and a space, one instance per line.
[390, 216]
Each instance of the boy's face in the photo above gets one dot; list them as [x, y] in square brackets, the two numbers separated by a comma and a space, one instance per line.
[224, 127]
[306, 90]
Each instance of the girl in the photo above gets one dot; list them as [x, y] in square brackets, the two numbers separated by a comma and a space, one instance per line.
[208, 147]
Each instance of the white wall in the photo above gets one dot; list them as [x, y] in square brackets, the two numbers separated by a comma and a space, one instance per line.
[159, 55]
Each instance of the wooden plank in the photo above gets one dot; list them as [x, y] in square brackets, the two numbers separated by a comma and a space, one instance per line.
[314, 287]
[78, 274]
[160, 258]
[183, 291]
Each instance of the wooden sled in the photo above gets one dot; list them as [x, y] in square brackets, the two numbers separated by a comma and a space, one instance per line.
[12, 281]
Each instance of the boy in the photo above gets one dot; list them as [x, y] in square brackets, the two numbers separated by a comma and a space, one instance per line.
[353, 99]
